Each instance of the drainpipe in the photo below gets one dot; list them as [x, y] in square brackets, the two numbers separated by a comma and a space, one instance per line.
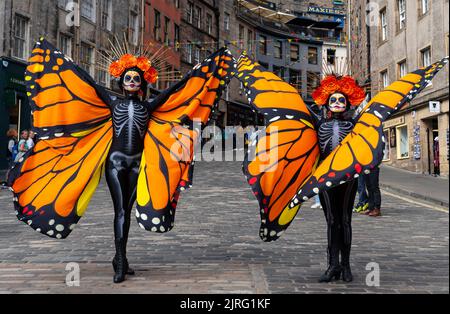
[369, 53]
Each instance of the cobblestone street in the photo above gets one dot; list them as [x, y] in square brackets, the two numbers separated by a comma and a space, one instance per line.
[215, 248]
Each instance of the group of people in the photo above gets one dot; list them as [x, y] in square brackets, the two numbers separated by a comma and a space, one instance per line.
[18, 147]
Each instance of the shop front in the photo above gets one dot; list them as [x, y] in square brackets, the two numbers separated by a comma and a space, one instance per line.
[15, 112]
[418, 139]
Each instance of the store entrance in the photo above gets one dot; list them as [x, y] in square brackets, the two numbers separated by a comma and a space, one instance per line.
[433, 147]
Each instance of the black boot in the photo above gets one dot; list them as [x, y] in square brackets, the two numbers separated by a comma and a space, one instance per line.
[334, 269]
[129, 271]
[121, 262]
[347, 275]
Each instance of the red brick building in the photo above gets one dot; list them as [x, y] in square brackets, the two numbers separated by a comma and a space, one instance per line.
[162, 20]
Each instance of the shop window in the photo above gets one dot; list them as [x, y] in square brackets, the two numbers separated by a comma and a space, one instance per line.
[402, 142]
[331, 56]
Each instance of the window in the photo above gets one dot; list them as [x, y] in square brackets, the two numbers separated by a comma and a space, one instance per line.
[107, 15]
[278, 49]
[402, 142]
[87, 58]
[387, 147]
[402, 69]
[295, 79]
[65, 44]
[313, 80]
[384, 79]
[189, 53]
[401, 14]
[197, 55]
[313, 55]
[21, 37]
[190, 12]
[250, 40]
[384, 25]
[102, 76]
[295, 53]
[241, 36]
[209, 23]
[157, 26]
[177, 37]
[425, 55]
[424, 6]
[278, 71]
[227, 21]
[134, 29]
[263, 45]
[88, 9]
[166, 30]
[197, 21]
[331, 56]
[64, 3]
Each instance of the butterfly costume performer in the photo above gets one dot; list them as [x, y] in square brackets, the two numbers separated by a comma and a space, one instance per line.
[145, 148]
[300, 155]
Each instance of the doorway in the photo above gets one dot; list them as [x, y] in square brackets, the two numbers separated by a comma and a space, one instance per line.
[433, 147]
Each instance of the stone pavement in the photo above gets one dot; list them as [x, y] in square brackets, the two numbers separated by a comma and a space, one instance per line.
[431, 189]
[215, 248]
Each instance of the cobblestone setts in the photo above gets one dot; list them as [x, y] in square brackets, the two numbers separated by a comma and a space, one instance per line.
[215, 248]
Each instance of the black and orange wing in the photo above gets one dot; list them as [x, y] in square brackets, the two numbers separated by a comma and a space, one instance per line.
[54, 182]
[286, 152]
[174, 130]
[362, 150]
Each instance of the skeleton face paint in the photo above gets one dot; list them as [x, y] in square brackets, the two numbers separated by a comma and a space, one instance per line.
[132, 81]
[338, 103]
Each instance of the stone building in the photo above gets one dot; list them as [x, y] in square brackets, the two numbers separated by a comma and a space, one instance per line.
[199, 31]
[406, 35]
[162, 20]
[81, 29]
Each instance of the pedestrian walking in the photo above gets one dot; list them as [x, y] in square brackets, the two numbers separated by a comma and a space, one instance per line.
[363, 202]
[373, 187]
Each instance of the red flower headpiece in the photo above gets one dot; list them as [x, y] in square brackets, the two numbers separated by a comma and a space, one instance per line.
[128, 61]
[345, 85]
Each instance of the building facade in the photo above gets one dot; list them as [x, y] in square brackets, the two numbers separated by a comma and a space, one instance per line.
[162, 26]
[81, 29]
[406, 35]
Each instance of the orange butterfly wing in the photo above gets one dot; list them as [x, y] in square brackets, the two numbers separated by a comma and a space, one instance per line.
[362, 150]
[55, 181]
[286, 152]
[174, 129]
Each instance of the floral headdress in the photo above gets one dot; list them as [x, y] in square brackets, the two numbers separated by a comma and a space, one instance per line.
[345, 85]
[150, 59]
[128, 61]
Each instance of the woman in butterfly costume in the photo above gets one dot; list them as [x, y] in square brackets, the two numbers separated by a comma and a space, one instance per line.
[298, 156]
[145, 147]
[337, 96]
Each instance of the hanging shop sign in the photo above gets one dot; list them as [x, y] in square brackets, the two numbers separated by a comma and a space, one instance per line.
[435, 107]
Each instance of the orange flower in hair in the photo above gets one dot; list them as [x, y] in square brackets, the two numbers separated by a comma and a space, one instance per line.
[128, 61]
[143, 63]
[116, 69]
[151, 76]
